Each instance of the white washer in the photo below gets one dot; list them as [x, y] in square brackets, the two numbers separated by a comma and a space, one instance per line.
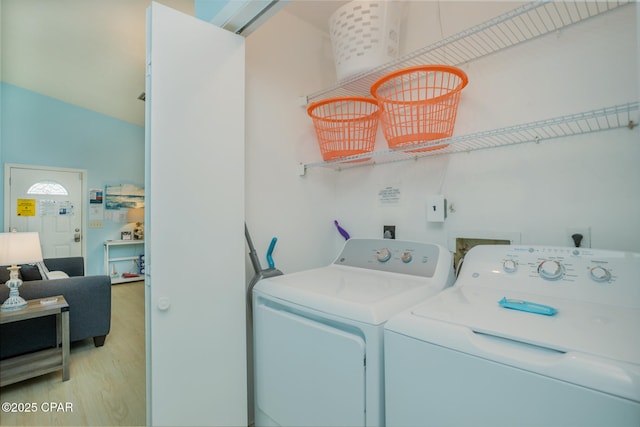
[461, 359]
[318, 333]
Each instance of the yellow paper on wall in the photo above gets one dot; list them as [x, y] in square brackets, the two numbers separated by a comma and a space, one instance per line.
[26, 207]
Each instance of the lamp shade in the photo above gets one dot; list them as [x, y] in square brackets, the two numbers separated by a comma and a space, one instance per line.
[20, 248]
[135, 215]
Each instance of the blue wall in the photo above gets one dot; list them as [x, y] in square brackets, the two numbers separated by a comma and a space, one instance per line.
[208, 9]
[39, 130]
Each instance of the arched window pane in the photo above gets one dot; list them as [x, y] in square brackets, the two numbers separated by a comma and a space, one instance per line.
[48, 188]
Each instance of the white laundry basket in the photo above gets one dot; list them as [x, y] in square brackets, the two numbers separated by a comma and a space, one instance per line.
[364, 35]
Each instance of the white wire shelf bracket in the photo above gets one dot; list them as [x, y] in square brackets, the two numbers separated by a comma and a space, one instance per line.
[516, 26]
[609, 118]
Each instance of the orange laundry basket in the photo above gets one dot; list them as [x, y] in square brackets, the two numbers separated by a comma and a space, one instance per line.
[419, 104]
[345, 126]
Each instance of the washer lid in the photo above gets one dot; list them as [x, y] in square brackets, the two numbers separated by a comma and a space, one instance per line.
[589, 328]
[354, 293]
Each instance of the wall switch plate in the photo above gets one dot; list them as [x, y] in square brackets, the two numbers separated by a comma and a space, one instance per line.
[584, 231]
[436, 208]
[389, 231]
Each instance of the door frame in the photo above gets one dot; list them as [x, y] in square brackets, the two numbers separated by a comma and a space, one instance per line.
[83, 197]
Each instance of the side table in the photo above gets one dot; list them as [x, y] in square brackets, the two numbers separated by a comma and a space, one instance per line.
[30, 365]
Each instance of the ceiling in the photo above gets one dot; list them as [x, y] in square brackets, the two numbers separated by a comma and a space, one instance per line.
[91, 53]
[315, 12]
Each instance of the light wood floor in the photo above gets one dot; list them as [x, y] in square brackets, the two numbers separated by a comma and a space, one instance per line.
[107, 384]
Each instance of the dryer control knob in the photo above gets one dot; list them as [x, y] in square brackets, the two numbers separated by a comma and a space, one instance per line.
[550, 270]
[383, 255]
[510, 265]
[600, 274]
[406, 257]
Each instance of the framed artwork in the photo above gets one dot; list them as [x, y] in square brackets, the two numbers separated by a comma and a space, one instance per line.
[125, 196]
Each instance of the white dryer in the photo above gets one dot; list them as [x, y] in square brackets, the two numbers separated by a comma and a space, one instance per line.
[527, 336]
[318, 334]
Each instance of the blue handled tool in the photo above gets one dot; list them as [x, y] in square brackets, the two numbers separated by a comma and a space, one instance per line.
[260, 273]
[270, 253]
[529, 307]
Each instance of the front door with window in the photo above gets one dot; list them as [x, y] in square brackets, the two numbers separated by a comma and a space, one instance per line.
[48, 201]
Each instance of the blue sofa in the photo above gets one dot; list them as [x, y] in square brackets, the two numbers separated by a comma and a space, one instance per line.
[89, 299]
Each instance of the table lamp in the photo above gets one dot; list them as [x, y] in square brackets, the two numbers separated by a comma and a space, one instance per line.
[17, 248]
[137, 215]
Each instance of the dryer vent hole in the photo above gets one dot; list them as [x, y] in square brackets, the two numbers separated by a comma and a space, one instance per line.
[464, 244]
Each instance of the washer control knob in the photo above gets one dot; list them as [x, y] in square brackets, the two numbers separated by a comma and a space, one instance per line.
[383, 255]
[550, 270]
[600, 274]
[510, 265]
[406, 257]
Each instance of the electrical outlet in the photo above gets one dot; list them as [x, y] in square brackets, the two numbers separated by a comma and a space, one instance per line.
[389, 231]
[584, 231]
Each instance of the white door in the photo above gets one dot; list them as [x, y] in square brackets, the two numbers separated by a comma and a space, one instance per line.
[194, 228]
[48, 201]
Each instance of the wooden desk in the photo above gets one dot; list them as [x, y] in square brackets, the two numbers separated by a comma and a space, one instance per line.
[31, 365]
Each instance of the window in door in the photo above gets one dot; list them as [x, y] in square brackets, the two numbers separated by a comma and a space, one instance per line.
[48, 188]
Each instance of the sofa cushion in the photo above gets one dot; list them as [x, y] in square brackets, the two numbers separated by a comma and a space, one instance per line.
[53, 275]
[26, 273]
[73, 266]
[4, 274]
[30, 272]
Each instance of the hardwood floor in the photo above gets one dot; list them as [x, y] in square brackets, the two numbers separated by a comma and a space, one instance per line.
[107, 385]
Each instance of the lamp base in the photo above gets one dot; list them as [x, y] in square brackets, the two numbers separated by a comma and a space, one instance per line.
[15, 301]
[14, 304]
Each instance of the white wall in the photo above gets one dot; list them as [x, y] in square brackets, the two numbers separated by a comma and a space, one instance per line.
[535, 190]
[286, 59]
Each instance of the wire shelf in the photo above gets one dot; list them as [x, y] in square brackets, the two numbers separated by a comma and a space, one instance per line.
[609, 118]
[516, 26]
[524, 23]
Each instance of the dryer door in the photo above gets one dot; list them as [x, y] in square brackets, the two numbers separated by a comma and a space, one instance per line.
[307, 373]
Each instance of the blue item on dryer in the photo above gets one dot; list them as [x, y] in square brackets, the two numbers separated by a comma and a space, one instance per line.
[529, 307]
